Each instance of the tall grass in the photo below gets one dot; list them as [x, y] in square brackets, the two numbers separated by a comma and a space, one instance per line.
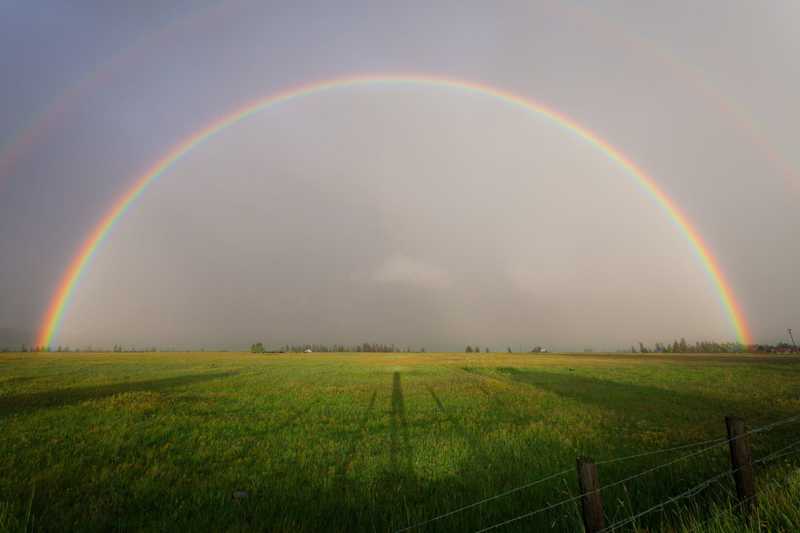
[777, 508]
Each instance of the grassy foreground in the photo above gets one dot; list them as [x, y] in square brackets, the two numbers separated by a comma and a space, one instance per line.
[345, 442]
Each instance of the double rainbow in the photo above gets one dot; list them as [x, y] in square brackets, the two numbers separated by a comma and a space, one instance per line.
[66, 288]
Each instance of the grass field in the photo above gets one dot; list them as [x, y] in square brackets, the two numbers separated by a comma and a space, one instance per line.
[162, 441]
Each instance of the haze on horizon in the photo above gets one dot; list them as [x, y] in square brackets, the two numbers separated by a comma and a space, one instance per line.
[419, 216]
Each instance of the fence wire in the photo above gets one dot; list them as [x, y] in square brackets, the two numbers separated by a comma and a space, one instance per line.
[614, 484]
[555, 475]
[689, 493]
[698, 488]
[485, 500]
[738, 504]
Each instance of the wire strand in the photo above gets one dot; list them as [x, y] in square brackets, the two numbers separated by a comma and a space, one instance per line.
[528, 515]
[555, 475]
[778, 453]
[481, 502]
[718, 440]
[713, 444]
[697, 488]
[738, 504]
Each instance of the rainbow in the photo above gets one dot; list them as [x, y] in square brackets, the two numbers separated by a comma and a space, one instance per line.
[737, 114]
[71, 278]
[25, 140]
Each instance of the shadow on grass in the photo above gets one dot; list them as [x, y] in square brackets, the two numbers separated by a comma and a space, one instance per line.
[293, 419]
[643, 402]
[473, 441]
[392, 496]
[505, 413]
[297, 414]
[400, 443]
[624, 398]
[16, 380]
[18, 403]
[358, 435]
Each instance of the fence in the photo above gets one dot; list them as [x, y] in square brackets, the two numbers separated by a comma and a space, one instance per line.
[590, 489]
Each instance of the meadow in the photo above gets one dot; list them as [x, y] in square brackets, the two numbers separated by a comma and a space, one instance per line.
[379, 442]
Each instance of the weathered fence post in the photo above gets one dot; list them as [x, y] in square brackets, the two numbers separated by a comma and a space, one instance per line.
[591, 501]
[741, 461]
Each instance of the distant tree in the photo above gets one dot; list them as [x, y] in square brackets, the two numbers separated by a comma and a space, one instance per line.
[257, 347]
[682, 346]
[633, 350]
[508, 349]
[486, 350]
[469, 349]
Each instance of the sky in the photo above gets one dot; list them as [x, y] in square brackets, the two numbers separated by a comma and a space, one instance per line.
[418, 215]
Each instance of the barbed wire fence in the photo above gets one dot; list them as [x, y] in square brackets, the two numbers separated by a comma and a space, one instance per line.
[707, 445]
[691, 492]
[731, 509]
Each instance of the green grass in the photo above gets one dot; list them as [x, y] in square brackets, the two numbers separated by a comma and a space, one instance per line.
[99, 442]
[776, 510]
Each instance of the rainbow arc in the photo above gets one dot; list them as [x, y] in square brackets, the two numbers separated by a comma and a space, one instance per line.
[60, 300]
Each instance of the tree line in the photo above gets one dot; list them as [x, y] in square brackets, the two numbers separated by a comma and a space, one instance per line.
[677, 346]
[118, 348]
[681, 346]
[371, 347]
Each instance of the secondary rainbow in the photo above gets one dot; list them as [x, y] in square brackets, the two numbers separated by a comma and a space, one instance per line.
[71, 278]
[43, 122]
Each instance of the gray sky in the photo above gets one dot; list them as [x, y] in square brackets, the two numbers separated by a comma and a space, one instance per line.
[419, 216]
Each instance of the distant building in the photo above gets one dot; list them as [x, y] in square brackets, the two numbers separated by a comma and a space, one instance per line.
[308, 350]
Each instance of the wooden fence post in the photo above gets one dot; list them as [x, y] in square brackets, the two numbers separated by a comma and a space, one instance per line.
[741, 461]
[591, 501]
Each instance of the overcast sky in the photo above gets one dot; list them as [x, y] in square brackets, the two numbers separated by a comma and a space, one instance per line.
[421, 216]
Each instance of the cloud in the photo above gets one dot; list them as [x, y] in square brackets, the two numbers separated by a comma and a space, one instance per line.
[401, 269]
